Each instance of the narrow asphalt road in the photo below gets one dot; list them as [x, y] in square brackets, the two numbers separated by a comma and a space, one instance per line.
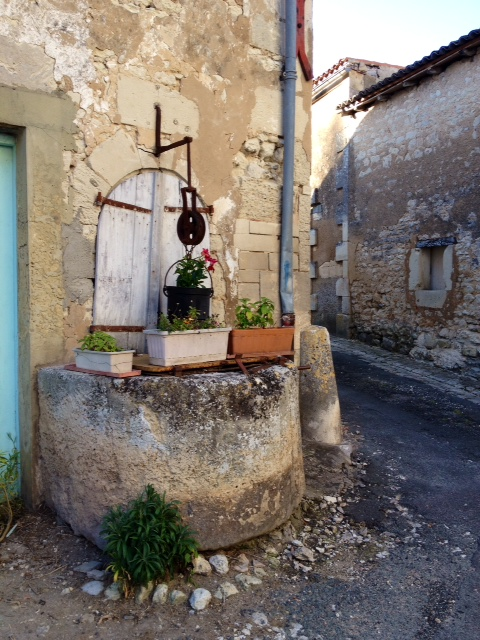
[419, 433]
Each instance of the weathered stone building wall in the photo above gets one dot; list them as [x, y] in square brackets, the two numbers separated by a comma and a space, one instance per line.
[413, 240]
[327, 130]
[331, 197]
[79, 80]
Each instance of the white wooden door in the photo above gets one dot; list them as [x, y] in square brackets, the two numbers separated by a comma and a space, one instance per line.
[135, 249]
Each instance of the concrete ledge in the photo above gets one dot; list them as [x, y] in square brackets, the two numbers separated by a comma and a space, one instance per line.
[434, 299]
[227, 446]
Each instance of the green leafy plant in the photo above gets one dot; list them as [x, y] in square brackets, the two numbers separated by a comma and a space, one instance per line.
[257, 314]
[191, 272]
[147, 541]
[191, 322]
[99, 341]
[9, 474]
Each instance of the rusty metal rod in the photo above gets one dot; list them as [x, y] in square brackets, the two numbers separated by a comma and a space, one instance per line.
[158, 130]
[116, 328]
[121, 205]
[179, 143]
[208, 210]
[189, 165]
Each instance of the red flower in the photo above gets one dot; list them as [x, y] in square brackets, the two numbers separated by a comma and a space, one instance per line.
[208, 259]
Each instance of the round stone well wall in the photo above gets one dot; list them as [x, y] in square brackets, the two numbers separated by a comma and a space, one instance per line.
[226, 445]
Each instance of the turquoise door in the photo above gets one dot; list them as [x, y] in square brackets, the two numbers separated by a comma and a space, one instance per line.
[8, 295]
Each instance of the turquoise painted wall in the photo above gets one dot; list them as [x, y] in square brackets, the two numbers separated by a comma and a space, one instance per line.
[8, 295]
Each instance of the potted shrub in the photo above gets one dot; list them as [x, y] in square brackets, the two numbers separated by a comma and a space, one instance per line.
[182, 340]
[190, 290]
[254, 333]
[100, 352]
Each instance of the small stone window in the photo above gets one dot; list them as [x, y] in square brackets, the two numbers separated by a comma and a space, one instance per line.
[431, 265]
[432, 275]
[316, 205]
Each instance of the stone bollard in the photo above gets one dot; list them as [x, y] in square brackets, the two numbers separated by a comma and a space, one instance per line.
[319, 405]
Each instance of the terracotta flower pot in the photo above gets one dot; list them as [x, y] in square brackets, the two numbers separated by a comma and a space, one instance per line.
[253, 342]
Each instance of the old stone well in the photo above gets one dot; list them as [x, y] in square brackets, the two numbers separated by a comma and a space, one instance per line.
[228, 446]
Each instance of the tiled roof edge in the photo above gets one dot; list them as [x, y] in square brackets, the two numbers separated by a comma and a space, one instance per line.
[329, 72]
[411, 69]
[343, 64]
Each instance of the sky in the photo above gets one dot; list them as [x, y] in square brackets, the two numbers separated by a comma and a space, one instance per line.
[398, 32]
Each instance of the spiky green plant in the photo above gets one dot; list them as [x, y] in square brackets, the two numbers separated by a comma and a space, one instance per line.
[9, 474]
[191, 322]
[147, 541]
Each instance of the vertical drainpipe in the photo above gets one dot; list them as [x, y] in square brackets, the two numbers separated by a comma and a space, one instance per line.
[289, 91]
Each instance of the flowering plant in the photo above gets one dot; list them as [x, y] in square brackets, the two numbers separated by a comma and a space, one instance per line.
[191, 272]
[192, 322]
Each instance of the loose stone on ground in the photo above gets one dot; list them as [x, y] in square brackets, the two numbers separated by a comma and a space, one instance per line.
[160, 594]
[178, 597]
[201, 566]
[246, 582]
[219, 563]
[225, 590]
[200, 599]
[113, 592]
[94, 588]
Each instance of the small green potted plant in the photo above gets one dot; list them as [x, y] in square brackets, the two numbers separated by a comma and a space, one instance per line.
[99, 351]
[183, 340]
[190, 290]
[254, 333]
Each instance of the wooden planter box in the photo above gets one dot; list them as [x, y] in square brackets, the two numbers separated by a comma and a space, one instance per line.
[104, 361]
[182, 347]
[254, 342]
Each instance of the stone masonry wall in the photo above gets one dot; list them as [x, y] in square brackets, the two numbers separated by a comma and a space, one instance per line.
[329, 141]
[331, 157]
[415, 177]
[80, 78]
[217, 79]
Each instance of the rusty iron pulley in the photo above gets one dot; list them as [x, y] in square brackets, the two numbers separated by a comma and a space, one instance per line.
[191, 224]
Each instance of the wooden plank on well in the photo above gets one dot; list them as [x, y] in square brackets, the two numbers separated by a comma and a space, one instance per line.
[127, 374]
[141, 363]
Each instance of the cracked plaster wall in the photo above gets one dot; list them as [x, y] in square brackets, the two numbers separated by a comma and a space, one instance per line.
[80, 79]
